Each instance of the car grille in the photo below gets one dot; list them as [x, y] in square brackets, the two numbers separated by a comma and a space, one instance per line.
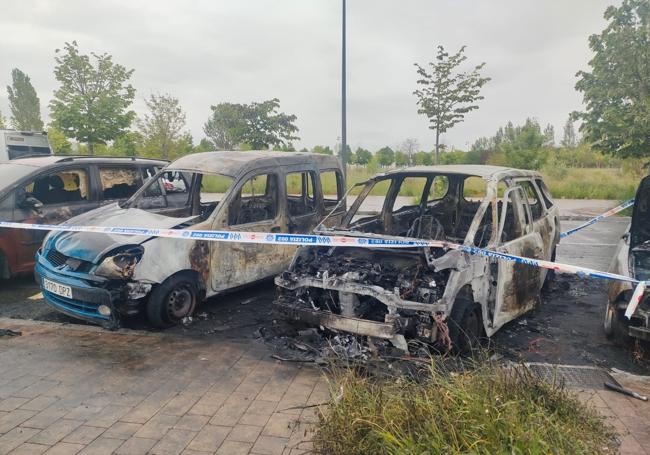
[56, 258]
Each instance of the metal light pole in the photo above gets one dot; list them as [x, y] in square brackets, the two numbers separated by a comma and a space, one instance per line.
[344, 138]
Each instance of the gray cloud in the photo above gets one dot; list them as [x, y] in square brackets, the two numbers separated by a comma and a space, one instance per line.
[205, 52]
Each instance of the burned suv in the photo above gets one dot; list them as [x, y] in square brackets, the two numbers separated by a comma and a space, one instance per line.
[433, 294]
[632, 259]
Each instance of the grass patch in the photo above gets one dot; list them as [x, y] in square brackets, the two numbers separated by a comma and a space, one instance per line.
[567, 183]
[485, 410]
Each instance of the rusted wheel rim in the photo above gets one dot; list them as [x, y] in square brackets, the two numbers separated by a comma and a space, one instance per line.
[179, 302]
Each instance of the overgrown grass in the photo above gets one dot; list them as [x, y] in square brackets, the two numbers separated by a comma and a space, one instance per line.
[564, 183]
[485, 410]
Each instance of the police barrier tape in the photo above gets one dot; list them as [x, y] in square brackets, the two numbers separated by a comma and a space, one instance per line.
[595, 220]
[337, 240]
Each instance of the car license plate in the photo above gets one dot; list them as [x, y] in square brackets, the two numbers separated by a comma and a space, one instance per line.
[58, 289]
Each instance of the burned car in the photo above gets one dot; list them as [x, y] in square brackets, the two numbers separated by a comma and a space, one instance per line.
[53, 189]
[632, 259]
[103, 278]
[433, 294]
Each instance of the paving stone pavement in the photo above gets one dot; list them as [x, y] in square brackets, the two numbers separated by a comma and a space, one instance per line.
[83, 390]
[68, 389]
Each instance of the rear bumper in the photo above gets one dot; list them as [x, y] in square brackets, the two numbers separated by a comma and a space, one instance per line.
[85, 298]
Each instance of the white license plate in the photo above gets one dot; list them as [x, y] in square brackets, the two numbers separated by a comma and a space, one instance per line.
[58, 289]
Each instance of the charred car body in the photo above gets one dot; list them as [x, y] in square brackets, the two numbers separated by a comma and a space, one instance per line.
[632, 259]
[431, 294]
[52, 189]
[102, 278]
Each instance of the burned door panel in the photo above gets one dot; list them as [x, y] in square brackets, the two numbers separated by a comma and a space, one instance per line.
[518, 285]
[60, 196]
[252, 207]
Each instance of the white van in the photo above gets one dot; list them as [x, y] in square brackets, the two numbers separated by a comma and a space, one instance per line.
[18, 144]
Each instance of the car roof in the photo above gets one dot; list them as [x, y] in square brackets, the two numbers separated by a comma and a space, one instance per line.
[484, 171]
[235, 162]
[49, 160]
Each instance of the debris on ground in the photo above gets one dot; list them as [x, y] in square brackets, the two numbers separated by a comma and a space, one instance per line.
[9, 333]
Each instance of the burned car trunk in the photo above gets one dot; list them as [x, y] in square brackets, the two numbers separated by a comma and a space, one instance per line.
[431, 294]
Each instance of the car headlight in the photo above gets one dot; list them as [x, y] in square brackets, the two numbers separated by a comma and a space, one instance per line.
[120, 264]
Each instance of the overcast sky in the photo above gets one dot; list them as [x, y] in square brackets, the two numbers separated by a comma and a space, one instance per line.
[206, 52]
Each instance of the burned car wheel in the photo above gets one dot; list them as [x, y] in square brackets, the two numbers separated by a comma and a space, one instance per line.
[616, 328]
[172, 301]
[465, 326]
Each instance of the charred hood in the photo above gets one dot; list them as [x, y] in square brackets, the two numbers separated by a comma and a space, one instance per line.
[92, 247]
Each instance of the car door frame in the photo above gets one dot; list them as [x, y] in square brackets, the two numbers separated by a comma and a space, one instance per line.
[236, 264]
[517, 285]
[305, 223]
[30, 240]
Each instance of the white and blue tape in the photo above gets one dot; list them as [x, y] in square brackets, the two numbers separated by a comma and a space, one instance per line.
[364, 242]
[615, 210]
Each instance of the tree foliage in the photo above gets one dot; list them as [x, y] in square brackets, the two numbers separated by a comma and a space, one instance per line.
[58, 142]
[362, 156]
[93, 99]
[616, 90]
[24, 103]
[323, 150]
[2, 122]
[256, 125]
[448, 94]
[569, 138]
[385, 156]
[162, 127]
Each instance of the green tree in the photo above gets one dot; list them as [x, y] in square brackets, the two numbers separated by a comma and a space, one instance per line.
[524, 151]
[569, 139]
[549, 136]
[362, 156]
[448, 94]
[204, 146]
[423, 158]
[401, 159]
[259, 125]
[24, 103]
[385, 156]
[162, 127]
[58, 142]
[616, 91]
[326, 150]
[127, 144]
[92, 101]
[2, 122]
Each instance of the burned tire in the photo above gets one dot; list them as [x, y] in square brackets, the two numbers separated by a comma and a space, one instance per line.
[465, 326]
[615, 325]
[550, 274]
[173, 300]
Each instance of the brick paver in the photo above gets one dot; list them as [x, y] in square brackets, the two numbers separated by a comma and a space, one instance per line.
[82, 390]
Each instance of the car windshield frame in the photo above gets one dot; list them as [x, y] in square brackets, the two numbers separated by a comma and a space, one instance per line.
[133, 200]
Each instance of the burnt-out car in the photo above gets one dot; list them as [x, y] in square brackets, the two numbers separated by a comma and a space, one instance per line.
[103, 278]
[428, 293]
[52, 189]
[632, 259]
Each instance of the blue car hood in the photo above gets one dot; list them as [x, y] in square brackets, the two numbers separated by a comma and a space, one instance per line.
[92, 247]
